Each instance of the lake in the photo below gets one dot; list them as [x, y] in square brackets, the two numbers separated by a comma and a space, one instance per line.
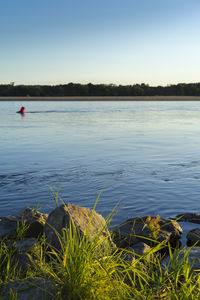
[146, 155]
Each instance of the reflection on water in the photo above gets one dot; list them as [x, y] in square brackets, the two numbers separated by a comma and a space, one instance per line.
[146, 153]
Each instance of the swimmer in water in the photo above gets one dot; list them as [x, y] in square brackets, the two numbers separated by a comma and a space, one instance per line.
[22, 110]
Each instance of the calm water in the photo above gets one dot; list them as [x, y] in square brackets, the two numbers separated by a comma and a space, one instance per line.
[147, 154]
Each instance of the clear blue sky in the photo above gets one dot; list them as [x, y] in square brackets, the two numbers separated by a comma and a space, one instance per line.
[99, 41]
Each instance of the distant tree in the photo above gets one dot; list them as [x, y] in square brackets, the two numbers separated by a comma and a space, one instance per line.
[78, 89]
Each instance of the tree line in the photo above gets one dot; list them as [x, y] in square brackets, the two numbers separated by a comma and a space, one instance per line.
[77, 89]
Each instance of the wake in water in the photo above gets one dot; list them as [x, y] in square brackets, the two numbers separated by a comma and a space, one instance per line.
[55, 111]
[22, 111]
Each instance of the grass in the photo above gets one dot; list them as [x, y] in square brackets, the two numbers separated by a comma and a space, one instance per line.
[93, 269]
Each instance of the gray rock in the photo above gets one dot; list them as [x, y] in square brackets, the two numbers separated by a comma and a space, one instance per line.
[33, 219]
[21, 248]
[32, 288]
[23, 245]
[140, 248]
[7, 226]
[136, 230]
[189, 217]
[130, 254]
[61, 217]
[22, 260]
[194, 257]
[193, 237]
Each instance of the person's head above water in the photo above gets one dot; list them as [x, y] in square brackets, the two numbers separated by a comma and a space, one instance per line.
[22, 110]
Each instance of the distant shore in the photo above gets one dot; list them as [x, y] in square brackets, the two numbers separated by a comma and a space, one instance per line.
[105, 98]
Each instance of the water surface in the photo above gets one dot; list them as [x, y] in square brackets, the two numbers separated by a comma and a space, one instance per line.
[146, 153]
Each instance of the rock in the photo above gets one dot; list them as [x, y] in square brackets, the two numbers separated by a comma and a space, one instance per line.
[23, 245]
[140, 248]
[193, 237]
[136, 230]
[189, 217]
[22, 260]
[31, 288]
[133, 253]
[21, 248]
[128, 255]
[194, 256]
[33, 219]
[61, 217]
[7, 226]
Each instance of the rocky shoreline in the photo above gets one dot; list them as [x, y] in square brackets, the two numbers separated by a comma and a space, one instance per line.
[137, 235]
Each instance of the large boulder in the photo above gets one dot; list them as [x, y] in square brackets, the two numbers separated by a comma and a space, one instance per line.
[146, 229]
[82, 217]
[193, 237]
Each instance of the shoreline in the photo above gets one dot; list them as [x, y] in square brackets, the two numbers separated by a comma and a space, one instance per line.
[104, 98]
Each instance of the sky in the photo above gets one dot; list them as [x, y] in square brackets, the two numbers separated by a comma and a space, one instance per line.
[156, 42]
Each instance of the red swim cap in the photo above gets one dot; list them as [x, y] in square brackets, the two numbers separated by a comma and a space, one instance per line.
[22, 110]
